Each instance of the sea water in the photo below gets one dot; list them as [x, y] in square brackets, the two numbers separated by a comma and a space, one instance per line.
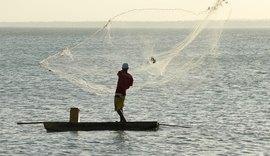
[226, 104]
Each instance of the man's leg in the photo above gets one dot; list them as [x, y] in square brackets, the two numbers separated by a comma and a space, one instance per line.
[118, 105]
[122, 118]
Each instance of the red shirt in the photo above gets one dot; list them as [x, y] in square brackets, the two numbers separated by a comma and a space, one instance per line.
[125, 80]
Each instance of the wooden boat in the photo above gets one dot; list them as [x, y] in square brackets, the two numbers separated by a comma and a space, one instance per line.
[94, 126]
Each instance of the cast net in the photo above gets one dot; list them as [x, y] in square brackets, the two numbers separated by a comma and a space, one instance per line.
[156, 55]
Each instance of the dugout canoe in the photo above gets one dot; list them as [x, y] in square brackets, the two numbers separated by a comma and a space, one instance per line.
[98, 126]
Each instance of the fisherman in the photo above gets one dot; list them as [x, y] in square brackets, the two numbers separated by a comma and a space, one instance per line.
[125, 80]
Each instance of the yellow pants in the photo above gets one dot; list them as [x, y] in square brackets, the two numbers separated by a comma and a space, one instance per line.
[118, 102]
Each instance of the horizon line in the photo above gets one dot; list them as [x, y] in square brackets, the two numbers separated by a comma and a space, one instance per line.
[238, 20]
[135, 24]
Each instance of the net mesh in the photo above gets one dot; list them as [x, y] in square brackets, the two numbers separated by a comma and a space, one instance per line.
[155, 56]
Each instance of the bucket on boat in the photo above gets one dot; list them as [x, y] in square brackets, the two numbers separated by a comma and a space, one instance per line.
[74, 115]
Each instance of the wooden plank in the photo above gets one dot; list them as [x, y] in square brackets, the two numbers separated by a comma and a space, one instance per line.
[95, 126]
[27, 123]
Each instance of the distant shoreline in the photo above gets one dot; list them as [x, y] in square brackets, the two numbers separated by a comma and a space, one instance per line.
[168, 24]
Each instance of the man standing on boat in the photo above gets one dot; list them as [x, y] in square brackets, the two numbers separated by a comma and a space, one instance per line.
[125, 80]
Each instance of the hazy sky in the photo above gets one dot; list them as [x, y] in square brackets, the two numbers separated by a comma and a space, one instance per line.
[102, 10]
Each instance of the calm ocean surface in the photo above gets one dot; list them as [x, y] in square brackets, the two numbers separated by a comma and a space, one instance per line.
[228, 109]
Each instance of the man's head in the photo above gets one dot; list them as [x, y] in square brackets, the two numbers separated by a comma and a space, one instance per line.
[125, 66]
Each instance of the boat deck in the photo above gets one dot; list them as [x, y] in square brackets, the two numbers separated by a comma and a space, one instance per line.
[97, 126]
